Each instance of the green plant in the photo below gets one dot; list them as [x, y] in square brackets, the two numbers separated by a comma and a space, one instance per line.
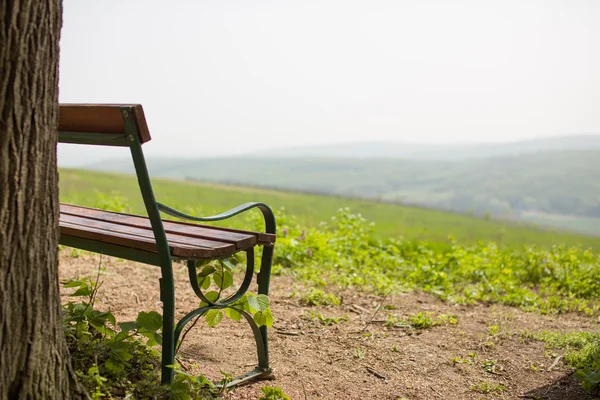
[419, 321]
[218, 275]
[359, 353]
[273, 393]
[489, 365]
[494, 330]
[486, 387]
[317, 297]
[582, 352]
[111, 358]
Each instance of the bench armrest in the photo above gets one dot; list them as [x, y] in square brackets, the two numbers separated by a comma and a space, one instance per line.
[270, 226]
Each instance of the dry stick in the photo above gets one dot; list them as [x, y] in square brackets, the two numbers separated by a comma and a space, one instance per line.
[96, 287]
[377, 309]
[304, 390]
[375, 373]
[555, 362]
[436, 392]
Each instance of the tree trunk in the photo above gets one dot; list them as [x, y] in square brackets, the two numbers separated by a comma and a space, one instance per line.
[34, 360]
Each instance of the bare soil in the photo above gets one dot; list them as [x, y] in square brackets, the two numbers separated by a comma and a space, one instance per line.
[359, 358]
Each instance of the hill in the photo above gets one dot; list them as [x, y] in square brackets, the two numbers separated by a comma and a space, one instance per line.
[391, 220]
[421, 151]
[554, 188]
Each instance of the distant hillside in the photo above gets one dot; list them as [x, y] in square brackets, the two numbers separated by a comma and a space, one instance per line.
[438, 152]
[556, 188]
[84, 187]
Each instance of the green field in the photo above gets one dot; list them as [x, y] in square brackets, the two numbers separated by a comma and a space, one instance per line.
[94, 189]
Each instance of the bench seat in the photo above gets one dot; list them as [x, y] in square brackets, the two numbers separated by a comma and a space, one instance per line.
[186, 241]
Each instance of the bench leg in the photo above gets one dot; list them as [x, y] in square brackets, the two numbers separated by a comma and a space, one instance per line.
[167, 296]
[264, 278]
[262, 371]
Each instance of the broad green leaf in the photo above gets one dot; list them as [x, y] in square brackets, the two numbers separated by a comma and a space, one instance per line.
[253, 302]
[83, 291]
[211, 296]
[204, 282]
[201, 263]
[129, 326]
[213, 317]
[114, 366]
[72, 284]
[233, 314]
[112, 319]
[258, 303]
[205, 381]
[118, 347]
[229, 263]
[150, 335]
[79, 308]
[260, 319]
[264, 318]
[157, 338]
[100, 327]
[179, 389]
[209, 269]
[263, 302]
[223, 279]
[151, 320]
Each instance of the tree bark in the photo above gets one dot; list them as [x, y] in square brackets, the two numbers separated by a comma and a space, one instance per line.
[34, 360]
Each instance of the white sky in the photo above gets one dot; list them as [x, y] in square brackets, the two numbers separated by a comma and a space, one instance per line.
[225, 77]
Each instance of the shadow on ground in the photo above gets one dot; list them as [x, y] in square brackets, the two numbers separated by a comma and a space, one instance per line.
[564, 388]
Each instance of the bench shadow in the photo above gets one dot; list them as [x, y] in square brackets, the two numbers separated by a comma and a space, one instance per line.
[565, 387]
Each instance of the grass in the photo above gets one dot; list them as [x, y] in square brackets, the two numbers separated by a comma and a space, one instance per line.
[83, 187]
[545, 275]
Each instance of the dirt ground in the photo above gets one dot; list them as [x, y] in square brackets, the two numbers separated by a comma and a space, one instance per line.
[358, 358]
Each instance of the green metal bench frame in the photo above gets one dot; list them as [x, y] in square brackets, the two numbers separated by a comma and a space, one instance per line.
[163, 258]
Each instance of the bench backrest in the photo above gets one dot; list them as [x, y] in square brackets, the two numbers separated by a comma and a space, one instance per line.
[102, 124]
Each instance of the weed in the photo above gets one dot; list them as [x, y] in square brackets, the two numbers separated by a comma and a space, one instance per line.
[582, 352]
[110, 357]
[273, 393]
[359, 353]
[485, 388]
[489, 365]
[460, 360]
[419, 321]
[494, 330]
[317, 297]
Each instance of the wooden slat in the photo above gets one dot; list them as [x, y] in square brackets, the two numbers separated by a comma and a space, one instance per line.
[242, 239]
[101, 118]
[201, 248]
[133, 241]
[217, 248]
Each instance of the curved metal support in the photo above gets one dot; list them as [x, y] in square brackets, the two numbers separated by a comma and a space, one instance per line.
[258, 337]
[237, 295]
[270, 225]
[166, 281]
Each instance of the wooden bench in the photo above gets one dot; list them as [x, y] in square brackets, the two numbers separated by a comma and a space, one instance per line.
[152, 240]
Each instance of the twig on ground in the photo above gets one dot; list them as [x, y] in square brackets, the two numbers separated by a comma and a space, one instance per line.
[375, 373]
[377, 309]
[359, 309]
[304, 390]
[435, 391]
[554, 363]
[186, 369]
[287, 333]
